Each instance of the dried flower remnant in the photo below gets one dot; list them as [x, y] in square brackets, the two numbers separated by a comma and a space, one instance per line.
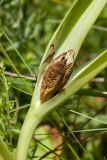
[56, 75]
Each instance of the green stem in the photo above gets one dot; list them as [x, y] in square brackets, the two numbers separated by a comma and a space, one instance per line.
[5, 154]
[30, 124]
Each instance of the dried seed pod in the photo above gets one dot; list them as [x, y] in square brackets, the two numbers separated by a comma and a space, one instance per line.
[56, 76]
[68, 71]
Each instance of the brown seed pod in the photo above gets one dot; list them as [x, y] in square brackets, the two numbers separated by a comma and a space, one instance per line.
[55, 76]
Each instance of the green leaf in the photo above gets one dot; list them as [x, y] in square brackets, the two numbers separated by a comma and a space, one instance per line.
[5, 154]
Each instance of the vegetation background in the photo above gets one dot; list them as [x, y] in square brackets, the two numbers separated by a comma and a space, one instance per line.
[25, 30]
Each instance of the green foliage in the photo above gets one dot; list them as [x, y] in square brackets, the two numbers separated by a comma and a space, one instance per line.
[26, 27]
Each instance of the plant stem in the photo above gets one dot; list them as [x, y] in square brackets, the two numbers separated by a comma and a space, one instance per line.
[30, 78]
[30, 124]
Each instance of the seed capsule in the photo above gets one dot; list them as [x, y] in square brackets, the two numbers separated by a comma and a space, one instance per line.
[56, 76]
